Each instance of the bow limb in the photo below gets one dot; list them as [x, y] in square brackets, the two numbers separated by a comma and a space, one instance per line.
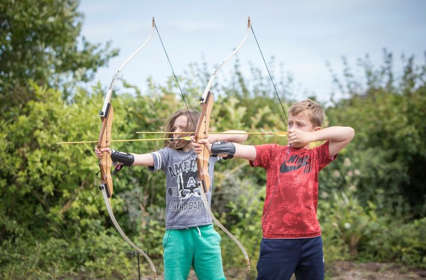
[224, 61]
[104, 141]
[203, 169]
[105, 163]
[201, 132]
[122, 66]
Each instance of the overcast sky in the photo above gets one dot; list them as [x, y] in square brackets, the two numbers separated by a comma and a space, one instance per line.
[303, 35]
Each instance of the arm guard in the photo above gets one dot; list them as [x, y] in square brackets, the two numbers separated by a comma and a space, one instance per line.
[123, 158]
[226, 148]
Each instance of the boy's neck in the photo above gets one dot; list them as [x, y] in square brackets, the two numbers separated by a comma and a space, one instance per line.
[299, 148]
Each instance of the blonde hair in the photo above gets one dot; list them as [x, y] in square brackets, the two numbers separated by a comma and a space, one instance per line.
[313, 109]
[192, 117]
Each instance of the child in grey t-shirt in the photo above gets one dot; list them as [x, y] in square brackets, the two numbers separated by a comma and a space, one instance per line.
[184, 207]
[190, 239]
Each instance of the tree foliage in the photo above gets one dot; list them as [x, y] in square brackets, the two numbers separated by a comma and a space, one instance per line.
[388, 115]
[41, 41]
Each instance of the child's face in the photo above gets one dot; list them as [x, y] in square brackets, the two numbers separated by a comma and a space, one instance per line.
[300, 121]
[180, 125]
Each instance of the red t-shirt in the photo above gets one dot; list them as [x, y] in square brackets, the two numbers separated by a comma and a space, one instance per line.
[290, 209]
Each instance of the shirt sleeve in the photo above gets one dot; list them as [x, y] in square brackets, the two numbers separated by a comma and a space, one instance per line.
[263, 155]
[323, 154]
[160, 159]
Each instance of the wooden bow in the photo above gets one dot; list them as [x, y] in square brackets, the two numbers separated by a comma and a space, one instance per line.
[104, 141]
[201, 132]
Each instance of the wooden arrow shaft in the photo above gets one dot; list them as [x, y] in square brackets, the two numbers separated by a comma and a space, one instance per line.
[126, 140]
[276, 133]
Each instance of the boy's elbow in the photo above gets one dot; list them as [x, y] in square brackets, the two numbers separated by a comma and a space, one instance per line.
[350, 134]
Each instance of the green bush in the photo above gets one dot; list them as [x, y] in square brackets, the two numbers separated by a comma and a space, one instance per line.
[345, 225]
[398, 242]
[353, 232]
[96, 255]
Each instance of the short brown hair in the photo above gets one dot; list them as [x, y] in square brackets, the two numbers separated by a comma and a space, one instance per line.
[192, 117]
[314, 110]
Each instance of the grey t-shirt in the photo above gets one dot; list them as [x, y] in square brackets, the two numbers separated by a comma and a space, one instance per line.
[184, 207]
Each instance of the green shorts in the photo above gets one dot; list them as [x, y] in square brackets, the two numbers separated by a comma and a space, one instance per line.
[197, 247]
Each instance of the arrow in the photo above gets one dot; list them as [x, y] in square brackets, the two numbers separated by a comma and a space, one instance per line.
[275, 133]
[187, 138]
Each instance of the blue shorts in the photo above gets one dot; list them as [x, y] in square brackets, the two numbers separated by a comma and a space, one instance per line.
[280, 258]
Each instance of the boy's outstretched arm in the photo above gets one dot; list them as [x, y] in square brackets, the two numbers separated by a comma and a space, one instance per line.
[235, 136]
[229, 149]
[245, 151]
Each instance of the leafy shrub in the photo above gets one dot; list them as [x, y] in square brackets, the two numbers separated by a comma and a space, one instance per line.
[397, 242]
[351, 231]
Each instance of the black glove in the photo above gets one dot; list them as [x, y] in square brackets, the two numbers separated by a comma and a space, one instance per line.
[122, 158]
[223, 148]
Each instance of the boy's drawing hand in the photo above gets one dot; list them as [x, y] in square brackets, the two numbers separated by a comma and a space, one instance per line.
[198, 146]
[298, 138]
[100, 152]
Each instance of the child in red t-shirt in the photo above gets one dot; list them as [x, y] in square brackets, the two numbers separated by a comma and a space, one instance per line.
[291, 240]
